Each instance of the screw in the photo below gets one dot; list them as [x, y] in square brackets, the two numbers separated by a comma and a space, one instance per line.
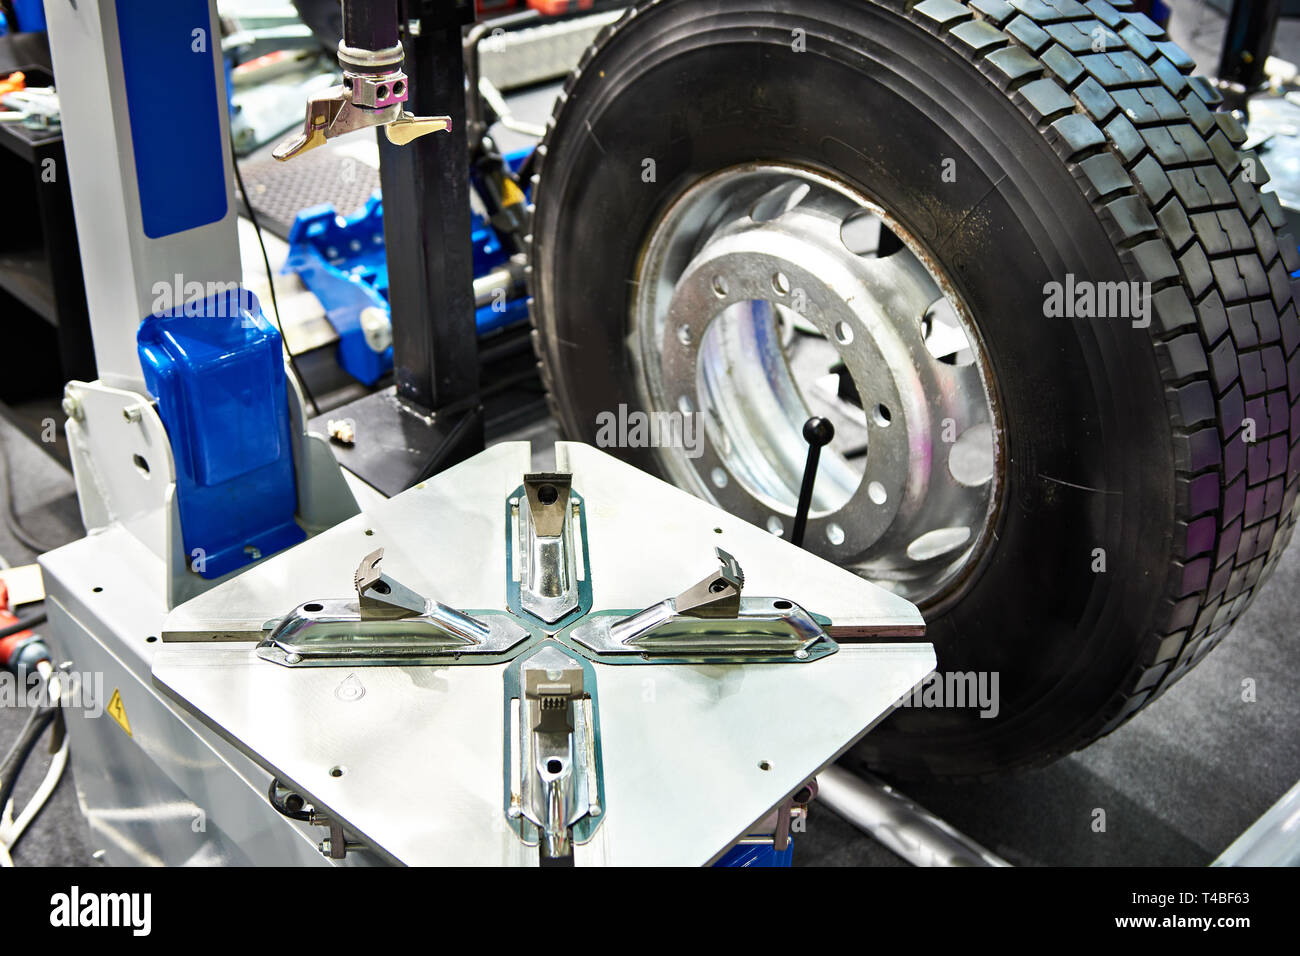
[342, 431]
[72, 406]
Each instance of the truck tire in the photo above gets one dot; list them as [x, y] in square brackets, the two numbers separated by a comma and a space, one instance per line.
[1126, 351]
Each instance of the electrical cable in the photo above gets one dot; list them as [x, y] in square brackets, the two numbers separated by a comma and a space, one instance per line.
[11, 830]
[22, 624]
[270, 281]
[11, 519]
[272, 794]
[41, 717]
[527, 168]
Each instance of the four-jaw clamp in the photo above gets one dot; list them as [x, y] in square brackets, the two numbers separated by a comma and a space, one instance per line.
[553, 787]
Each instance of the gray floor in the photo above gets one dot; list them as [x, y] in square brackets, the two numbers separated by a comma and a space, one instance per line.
[44, 499]
[1178, 783]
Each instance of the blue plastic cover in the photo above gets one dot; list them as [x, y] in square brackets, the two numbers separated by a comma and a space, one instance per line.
[216, 368]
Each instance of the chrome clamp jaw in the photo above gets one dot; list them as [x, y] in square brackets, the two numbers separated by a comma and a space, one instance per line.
[711, 621]
[555, 786]
[388, 623]
[548, 557]
[372, 94]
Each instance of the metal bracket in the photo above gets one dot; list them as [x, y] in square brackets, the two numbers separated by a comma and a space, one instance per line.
[388, 624]
[710, 621]
[774, 830]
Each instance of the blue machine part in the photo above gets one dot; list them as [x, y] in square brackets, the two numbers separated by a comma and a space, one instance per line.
[757, 854]
[489, 255]
[173, 108]
[217, 370]
[30, 14]
[342, 260]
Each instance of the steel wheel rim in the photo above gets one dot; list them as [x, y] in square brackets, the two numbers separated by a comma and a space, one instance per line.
[749, 283]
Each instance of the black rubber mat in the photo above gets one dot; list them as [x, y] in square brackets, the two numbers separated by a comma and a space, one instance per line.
[279, 191]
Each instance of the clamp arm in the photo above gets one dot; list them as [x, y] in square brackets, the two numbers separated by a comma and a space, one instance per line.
[374, 85]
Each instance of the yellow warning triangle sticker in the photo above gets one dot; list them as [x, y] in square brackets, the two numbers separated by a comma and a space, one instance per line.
[117, 710]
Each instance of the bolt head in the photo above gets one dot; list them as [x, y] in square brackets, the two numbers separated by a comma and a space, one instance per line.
[72, 406]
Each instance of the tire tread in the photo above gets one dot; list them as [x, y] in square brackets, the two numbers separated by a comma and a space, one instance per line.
[1225, 329]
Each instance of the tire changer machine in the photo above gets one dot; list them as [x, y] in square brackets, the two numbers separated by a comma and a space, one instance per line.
[493, 666]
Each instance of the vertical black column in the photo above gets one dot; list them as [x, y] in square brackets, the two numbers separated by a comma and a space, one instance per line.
[370, 24]
[1252, 25]
[432, 417]
[427, 221]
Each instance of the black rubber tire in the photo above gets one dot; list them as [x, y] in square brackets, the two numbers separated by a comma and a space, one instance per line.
[1111, 166]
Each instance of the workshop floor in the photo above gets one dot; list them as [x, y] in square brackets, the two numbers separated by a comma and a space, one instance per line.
[1178, 783]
